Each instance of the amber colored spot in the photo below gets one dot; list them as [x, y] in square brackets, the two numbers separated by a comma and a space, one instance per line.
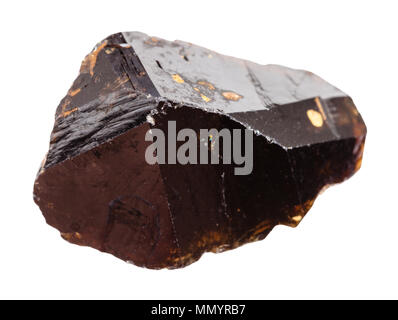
[211, 241]
[92, 57]
[74, 92]
[315, 118]
[67, 113]
[297, 218]
[109, 50]
[230, 95]
[65, 104]
[66, 236]
[358, 163]
[152, 40]
[206, 99]
[196, 89]
[177, 78]
[206, 84]
[71, 235]
[118, 82]
[299, 212]
[182, 259]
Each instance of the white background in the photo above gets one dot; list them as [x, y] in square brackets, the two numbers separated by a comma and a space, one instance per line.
[346, 246]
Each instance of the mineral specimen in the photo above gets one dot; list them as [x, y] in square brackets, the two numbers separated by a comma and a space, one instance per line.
[98, 189]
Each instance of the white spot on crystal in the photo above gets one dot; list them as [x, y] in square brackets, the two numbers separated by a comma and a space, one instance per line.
[150, 119]
[297, 218]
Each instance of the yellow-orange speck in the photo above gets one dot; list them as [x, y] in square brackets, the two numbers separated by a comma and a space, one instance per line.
[297, 218]
[177, 78]
[67, 113]
[92, 57]
[74, 92]
[315, 118]
[206, 99]
[206, 84]
[230, 95]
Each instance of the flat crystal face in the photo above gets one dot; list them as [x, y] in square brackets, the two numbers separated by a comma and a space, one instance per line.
[186, 73]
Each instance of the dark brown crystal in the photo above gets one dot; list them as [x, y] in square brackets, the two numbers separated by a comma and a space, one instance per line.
[97, 189]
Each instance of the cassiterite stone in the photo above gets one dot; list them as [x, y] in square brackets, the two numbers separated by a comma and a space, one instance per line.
[96, 187]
